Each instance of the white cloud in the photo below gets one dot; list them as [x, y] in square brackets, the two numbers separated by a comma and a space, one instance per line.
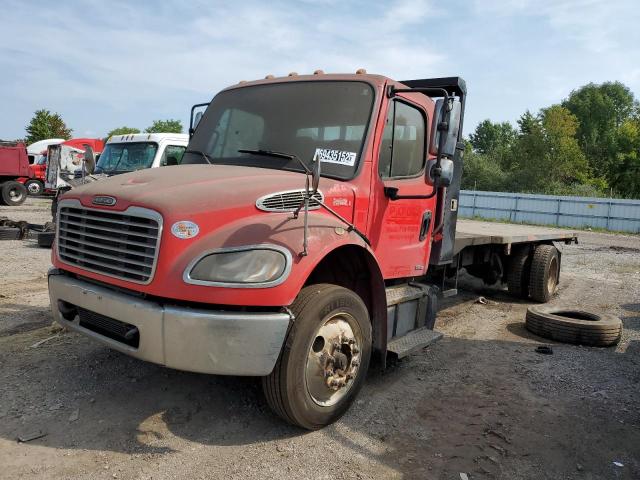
[130, 57]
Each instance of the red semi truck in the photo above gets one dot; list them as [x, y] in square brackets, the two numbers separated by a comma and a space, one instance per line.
[311, 225]
[14, 171]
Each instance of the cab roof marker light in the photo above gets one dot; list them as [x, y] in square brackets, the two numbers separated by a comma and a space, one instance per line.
[361, 71]
[292, 74]
[269, 77]
[318, 72]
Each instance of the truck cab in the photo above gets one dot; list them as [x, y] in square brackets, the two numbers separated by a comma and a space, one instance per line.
[294, 241]
[128, 153]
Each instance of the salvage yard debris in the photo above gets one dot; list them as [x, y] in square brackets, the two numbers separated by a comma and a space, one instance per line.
[27, 437]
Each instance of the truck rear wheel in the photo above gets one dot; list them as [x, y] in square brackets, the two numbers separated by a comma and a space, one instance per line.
[518, 272]
[13, 193]
[545, 273]
[324, 360]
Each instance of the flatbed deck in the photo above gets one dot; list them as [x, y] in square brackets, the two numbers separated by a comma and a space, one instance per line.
[472, 232]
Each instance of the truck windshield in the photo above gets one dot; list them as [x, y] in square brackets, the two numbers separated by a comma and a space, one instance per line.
[126, 157]
[330, 118]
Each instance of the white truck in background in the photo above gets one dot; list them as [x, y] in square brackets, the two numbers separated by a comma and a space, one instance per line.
[128, 153]
[121, 154]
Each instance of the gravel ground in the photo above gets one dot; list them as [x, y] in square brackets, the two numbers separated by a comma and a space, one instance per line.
[479, 402]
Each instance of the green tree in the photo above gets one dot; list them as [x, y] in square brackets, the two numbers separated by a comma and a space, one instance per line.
[123, 131]
[489, 137]
[45, 124]
[481, 172]
[165, 126]
[626, 173]
[601, 110]
[547, 156]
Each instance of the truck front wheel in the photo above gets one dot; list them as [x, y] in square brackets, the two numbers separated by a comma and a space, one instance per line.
[324, 360]
[34, 187]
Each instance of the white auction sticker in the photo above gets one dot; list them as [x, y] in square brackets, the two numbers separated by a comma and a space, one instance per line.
[336, 156]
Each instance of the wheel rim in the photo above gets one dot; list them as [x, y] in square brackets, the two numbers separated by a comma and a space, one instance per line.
[15, 195]
[333, 360]
[33, 187]
[552, 281]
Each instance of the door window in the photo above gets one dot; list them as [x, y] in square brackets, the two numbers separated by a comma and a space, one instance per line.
[172, 155]
[402, 150]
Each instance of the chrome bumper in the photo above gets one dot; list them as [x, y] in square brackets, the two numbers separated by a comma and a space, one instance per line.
[196, 340]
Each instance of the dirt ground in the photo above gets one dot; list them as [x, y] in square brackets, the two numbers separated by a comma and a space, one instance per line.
[479, 402]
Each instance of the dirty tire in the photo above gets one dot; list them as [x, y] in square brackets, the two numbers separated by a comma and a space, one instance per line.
[285, 388]
[13, 193]
[34, 187]
[574, 326]
[10, 233]
[518, 272]
[545, 273]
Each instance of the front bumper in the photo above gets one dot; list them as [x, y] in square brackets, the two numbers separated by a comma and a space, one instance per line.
[196, 340]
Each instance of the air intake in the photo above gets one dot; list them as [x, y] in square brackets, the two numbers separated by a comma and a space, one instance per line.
[288, 201]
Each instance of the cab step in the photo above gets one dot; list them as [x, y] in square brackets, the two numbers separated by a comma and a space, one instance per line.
[413, 341]
[403, 293]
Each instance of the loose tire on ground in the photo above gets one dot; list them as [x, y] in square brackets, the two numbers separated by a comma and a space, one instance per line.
[545, 273]
[518, 272]
[291, 391]
[10, 233]
[34, 187]
[574, 326]
[13, 193]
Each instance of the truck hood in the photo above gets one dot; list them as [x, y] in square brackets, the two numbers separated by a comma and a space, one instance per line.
[193, 189]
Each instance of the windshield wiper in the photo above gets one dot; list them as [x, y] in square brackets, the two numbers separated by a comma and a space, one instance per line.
[206, 156]
[271, 153]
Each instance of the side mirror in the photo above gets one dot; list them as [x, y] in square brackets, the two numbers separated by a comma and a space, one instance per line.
[449, 129]
[89, 160]
[196, 115]
[446, 173]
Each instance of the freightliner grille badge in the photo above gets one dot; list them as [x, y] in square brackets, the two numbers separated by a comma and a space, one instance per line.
[104, 200]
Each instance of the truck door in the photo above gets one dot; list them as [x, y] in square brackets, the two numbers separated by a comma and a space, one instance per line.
[400, 230]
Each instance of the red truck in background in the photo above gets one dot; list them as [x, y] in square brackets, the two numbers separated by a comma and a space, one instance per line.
[311, 225]
[14, 171]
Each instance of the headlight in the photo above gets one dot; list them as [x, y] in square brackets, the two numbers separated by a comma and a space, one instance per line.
[254, 266]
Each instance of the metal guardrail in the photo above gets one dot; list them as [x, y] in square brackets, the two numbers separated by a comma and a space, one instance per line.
[577, 212]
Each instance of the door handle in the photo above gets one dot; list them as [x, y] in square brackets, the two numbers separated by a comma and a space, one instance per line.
[424, 226]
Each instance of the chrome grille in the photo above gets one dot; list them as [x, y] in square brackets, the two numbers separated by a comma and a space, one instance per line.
[288, 201]
[118, 244]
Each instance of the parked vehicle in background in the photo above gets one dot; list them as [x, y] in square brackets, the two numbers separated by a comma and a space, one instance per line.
[37, 175]
[121, 154]
[14, 169]
[65, 158]
[311, 225]
[38, 149]
[128, 153]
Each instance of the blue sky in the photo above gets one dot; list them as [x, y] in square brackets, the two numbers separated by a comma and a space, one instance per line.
[106, 64]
